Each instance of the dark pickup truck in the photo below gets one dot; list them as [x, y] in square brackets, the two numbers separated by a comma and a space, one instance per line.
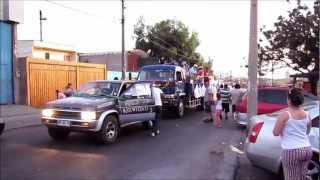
[101, 107]
[177, 92]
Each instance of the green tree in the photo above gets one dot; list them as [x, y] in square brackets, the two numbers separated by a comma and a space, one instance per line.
[294, 42]
[168, 40]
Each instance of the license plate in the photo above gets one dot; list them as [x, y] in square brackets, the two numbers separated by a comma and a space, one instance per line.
[63, 123]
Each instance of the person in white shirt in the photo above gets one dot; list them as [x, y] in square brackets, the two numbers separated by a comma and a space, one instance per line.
[236, 95]
[156, 94]
[294, 126]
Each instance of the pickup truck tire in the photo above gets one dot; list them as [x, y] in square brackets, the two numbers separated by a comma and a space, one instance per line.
[145, 125]
[1, 127]
[58, 133]
[180, 109]
[109, 131]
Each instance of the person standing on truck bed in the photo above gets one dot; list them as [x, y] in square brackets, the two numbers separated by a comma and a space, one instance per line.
[225, 98]
[156, 93]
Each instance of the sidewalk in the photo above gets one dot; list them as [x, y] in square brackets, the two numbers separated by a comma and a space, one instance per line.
[17, 116]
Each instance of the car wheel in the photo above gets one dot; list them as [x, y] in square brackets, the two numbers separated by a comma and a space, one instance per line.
[1, 128]
[313, 168]
[109, 131]
[146, 125]
[180, 109]
[58, 133]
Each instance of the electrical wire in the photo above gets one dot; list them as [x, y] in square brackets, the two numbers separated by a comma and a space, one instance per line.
[76, 10]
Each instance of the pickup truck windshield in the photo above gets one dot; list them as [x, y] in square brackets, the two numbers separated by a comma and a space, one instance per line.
[159, 74]
[98, 89]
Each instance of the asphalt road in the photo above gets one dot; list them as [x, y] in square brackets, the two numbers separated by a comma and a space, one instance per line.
[186, 149]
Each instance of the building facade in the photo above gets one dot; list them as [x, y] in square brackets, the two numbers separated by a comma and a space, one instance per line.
[46, 51]
[113, 62]
[11, 13]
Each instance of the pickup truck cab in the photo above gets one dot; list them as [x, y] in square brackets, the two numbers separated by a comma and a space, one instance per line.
[101, 107]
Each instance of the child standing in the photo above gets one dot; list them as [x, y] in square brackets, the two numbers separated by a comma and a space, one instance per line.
[218, 122]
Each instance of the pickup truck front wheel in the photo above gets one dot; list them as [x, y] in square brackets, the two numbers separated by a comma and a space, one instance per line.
[58, 133]
[1, 128]
[180, 109]
[109, 131]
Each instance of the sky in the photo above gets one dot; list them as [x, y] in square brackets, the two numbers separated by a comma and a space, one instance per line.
[94, 26]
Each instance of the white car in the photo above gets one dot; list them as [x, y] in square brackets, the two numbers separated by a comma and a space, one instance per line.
[263, 149]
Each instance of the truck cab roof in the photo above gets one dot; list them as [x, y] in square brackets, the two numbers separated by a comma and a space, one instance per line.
[162, 66]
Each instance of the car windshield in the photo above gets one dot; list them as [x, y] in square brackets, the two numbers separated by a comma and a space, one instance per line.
[159, 74]
[98, 89]
[307, 106]
[272, 96]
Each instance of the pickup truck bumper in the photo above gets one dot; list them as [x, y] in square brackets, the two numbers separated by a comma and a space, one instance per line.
[169, 103]
[71, 124]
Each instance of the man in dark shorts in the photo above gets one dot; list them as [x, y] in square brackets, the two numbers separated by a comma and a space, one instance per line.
[226, 99]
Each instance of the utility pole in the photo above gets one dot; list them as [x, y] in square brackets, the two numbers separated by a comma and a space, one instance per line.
[253, 59]
[123, 47]
[41, 19]
[272, 71]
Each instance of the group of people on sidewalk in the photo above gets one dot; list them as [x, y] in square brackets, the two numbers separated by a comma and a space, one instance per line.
[218, 101]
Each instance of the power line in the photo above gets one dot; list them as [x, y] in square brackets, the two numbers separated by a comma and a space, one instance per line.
[76, 10]
[169, 50]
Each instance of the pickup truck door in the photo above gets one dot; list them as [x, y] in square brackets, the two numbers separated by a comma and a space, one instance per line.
[180, 82]
[136, 104]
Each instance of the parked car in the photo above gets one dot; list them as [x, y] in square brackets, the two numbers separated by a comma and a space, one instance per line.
[101, 107]
[2, 125]
[270, 99]
[263, 149]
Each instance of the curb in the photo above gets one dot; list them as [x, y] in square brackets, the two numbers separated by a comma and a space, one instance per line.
[16, 122]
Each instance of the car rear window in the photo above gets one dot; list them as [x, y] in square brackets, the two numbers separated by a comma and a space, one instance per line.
[272, 96]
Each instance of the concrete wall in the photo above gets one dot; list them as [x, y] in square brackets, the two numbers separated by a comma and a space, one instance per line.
[12, 10]
[112, 60]
[24, 48]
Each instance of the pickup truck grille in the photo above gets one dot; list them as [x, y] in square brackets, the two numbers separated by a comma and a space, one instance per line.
[67, 114]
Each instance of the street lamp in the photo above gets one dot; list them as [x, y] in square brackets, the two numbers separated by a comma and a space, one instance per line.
[41, 19]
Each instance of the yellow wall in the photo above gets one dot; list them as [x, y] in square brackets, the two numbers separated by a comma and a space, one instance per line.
[57, 55]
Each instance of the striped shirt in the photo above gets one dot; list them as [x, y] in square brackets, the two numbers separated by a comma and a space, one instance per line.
[225, 95]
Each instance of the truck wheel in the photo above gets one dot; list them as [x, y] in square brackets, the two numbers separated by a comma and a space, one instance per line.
[58, 133]
[180, 109]
[201, 107]
[1, 128]
[109, 130]
[145, 125]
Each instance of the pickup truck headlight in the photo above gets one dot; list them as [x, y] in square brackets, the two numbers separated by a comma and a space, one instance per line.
[47, 112]
[88, 115]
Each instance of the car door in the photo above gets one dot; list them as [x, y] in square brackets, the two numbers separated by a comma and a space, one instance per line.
[136, 104]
